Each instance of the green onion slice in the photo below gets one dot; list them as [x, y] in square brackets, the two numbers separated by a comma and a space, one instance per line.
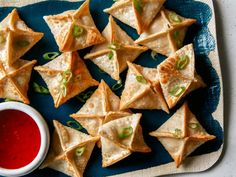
[114, 45]
[125, 132]
[84, 96]
[182, 62]
[2, 38]
[176, 35]
[117, 86]
[77, 30]
[154, 55]
[138, 5]
[177, 133]
[74, 124]
[8, 99]
[40, 89]
[174, 18]
[50, 55]
[193, 125]
[22, 43]
[79, 151]
[177, 91]
[110, 55]
[141, 79]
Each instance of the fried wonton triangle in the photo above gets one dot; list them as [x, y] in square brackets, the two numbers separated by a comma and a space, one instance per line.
[74, 29]
[182, 134]
[112, 55]
[66, 76]
[70, 150]
[14, 80]
[142, 89]
[136, 13]
[93, 112]
[15, 38]
[120, 137]
[178, 76]
[166, 33]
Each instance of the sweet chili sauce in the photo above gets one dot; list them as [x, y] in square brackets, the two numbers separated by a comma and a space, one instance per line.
[19, 139]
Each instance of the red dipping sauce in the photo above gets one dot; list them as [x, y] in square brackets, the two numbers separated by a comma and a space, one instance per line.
[19, 139]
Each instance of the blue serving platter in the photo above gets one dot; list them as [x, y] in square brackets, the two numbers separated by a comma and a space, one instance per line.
[203, 102]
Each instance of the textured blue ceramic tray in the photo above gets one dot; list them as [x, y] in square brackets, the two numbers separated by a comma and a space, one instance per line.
[203, 102]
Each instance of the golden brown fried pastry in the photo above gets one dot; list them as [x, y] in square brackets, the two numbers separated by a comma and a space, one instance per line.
[136, 13]
[16, 38]
[92, 114]
[178, 76]
[166, 33]
[66, 76]
[14, 80]
[182, 134]
[142, 89]
[70, 150]
[74, 29]
[112, 55]
[120, 136]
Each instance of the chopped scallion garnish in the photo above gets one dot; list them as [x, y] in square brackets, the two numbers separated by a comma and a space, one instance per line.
[79, 151]
[77, 30]
[154, 55]
[74, 124]
[177, 91]
[138, 5]
[125, 132]
[174, 18]
[177, 133]
[114, 45]
[65, 78]
[110, 55]
[8, 99]
[117, 86]
[22, 43]
[40, 89]
[2, 38]
[50, 55]
[141, 79]
[182, 62]
[193, 125]
[84, 96]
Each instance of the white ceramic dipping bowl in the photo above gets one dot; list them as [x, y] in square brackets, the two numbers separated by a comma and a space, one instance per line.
[44, 135]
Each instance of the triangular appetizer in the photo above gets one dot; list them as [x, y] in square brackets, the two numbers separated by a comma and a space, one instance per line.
[142, 89]
[178, 76]
[70, 150]
[74, 29]
[66, 76]
[136, 13]
[166, 33]
[14, 80]
[93, 112]
[15, 38]
[120, 137]
[182, 134]
[112, 55]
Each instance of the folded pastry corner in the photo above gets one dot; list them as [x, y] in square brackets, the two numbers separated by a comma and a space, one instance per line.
[142, 89]
[14, 80]
[119, 48]
[166, 33]
[16, 38]
[92, 114]
[70, 150]
[138, 14]
[75, 29]
[120, 137]
[178, 76]
[181, 134]
[66, 76]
